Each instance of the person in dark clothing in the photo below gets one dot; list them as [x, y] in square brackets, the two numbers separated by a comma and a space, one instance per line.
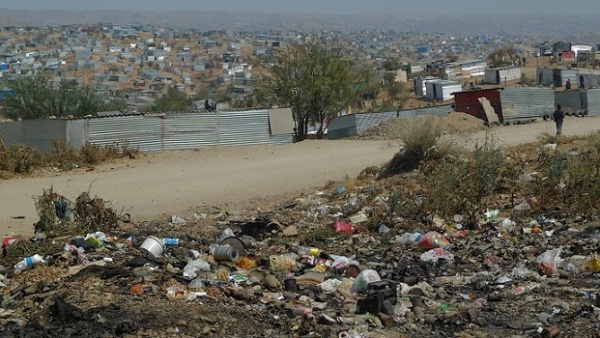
[559, 116]
[568, 84]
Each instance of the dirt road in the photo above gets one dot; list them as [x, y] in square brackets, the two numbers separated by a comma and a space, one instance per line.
[160, 185]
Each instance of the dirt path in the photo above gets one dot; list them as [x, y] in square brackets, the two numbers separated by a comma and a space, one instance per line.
[161, 185]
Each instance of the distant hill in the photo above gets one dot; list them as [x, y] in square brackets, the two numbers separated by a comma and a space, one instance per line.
[582, 29]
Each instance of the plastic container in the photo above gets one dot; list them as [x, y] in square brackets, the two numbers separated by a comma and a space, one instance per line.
[153, 245]
[308, 251]
[226, 253]
[28, 262]
[281, 263]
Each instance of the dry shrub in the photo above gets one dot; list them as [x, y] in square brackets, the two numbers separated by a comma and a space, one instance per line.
[17, 159]
[420, 141]
[60, 216]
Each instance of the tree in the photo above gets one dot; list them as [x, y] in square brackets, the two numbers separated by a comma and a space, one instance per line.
[37, 97]
[397, 93]
[503, 56]
[315, 81]
[173, 100]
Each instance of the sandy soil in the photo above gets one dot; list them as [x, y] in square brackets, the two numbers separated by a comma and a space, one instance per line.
[179, 183]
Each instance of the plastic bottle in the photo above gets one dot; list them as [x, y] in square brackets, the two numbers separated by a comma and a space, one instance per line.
[454, 280]
[524, 289]
[308, 251]
[28, 262]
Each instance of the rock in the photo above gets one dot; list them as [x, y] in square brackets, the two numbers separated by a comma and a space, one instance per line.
[272, 283]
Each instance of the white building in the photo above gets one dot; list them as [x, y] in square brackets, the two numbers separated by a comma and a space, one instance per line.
[502, 74]
[581, 48]
[464, 69]
[442, 90]
[420, 85]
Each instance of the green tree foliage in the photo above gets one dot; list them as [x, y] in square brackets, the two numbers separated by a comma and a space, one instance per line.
[397, 92]
[36, 97]
[172, 100]
[315, 81]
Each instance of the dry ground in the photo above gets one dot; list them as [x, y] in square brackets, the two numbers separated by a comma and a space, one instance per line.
[179, 183]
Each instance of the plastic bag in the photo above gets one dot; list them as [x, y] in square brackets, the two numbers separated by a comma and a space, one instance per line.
[432, 240]
[330, 285]
[363, 279]
[436, 254]
[192, 268]
[341, 227]
[282, 263]
[593, 264]
[549, 261]
[520, 270]
[408, 238]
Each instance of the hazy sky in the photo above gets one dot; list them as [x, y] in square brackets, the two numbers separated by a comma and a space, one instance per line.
[327, 6]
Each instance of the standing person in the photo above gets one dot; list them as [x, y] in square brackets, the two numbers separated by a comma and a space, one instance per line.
[559, 116]
[568, 84]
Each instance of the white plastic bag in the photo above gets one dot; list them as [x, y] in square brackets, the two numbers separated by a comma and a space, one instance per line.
[549, 261]
[363, 279]
[192, 268]
[330, 285]
[436, 254]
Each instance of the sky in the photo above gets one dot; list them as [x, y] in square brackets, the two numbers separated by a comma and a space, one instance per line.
[591, 7]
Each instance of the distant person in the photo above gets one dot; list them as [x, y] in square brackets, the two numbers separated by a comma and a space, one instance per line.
[559, 116]
[568, 84]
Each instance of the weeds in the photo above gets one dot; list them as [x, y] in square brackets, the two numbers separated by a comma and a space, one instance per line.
[459, 186]
[421, 141]
[22, 160]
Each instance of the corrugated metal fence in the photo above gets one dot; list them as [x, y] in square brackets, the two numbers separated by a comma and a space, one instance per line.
[356, 124]
[151, 132]
[593, 102]
[526, 102]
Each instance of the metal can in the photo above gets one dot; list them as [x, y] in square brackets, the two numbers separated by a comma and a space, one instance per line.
[170, 241]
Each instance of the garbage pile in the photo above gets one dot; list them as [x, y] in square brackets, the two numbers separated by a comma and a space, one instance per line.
[316, 266]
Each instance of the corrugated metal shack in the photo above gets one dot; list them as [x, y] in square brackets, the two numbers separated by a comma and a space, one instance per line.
[526, 102]
[572, 101]
[356, 124]
[157, 132]
[472, 102]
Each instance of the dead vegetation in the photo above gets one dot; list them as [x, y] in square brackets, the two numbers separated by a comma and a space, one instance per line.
[20, 160]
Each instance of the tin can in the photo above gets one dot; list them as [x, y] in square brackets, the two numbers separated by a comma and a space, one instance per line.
[170, 241]
[225, 253]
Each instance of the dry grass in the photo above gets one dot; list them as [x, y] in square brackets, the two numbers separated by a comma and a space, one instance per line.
[453, 123]
[19, 160]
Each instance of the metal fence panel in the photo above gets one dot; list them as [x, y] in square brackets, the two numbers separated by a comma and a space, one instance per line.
[77, 133]
[370, 120]
[343, 126]
[12, 132]
[138, 132]
[593, 102]
[190, 131]
[40, 134]
[526, 102]
[247, 127]
[570, 101]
